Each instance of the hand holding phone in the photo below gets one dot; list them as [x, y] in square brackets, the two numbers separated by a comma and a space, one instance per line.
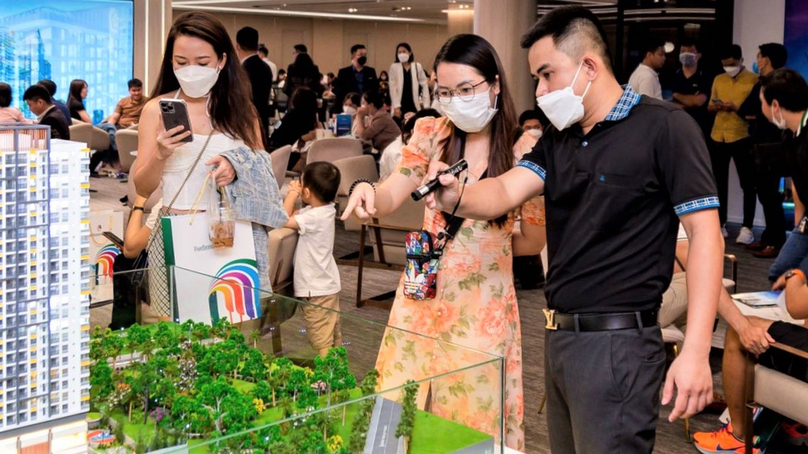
[177, 127]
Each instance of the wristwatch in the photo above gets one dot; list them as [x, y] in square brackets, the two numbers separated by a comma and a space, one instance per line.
[795, 272]
[137, 208]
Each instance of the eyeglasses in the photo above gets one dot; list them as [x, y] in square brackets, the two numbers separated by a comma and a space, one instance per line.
[464, 91]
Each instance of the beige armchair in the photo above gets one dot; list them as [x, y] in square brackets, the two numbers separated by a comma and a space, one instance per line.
[126, 139]
[280, 160]
[96, 138]
[282, 245]
[776, 391]
[352, 169]
[332, 150]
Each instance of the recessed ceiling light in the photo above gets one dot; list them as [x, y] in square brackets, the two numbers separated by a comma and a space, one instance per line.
[352, 10]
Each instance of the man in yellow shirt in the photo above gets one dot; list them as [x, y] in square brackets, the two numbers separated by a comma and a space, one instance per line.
[731, 138]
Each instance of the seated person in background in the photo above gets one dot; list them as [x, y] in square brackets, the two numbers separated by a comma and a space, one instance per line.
[75, 101]
[297, 127]
[8, 114]
[754, 335]
[380, 129]
[532, 121]
[351, 103]
[391, 155]
[316, 278]
[51, 87]
[673, 310]
[127, 112]
[39, 102]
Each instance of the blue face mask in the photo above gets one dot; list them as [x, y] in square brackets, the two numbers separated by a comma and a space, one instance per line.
[755, 68]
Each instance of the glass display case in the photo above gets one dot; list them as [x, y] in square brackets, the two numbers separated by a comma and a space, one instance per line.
[235, 372]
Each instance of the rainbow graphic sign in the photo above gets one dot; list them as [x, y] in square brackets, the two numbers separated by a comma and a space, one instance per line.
[104, 261]
[236, 289]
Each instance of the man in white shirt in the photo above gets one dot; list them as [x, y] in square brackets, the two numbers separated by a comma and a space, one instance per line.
[263, 52]
[645, 79]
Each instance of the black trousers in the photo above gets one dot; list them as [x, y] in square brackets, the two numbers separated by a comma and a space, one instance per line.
[770, 167]
[740, 152]
[603, 390]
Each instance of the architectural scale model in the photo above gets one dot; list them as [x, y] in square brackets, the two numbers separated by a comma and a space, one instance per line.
[44, 307]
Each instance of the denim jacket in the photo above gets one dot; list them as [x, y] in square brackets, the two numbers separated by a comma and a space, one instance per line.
[255, 197]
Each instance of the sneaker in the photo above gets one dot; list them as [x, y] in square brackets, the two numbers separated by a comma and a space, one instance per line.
[724, 231]
[796, 433]
[745, 237]
[769, 252]
[720, 441]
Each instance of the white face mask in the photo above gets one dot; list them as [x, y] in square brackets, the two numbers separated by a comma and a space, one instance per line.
[536, 133]
[473, 115]
[781, 122]
[564, 107]
[403, 57]
[732, 70]
[197, 81]
[349, 110]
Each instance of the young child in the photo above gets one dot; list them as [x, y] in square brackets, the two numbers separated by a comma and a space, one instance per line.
[316, 275]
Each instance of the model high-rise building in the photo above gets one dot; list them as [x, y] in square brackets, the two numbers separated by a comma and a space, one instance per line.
[44, 307]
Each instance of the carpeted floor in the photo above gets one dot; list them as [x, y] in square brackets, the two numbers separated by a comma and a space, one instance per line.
[670, 436]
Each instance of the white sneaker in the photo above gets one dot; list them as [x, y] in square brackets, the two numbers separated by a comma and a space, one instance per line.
[745, 237]
[724, 232]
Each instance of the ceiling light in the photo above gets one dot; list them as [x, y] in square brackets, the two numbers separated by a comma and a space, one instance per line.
[352, 10]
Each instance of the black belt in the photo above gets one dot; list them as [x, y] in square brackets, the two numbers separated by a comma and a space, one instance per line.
[599, 322]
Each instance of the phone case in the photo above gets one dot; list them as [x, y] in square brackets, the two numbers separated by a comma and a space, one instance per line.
[421, 273]
[175, 113]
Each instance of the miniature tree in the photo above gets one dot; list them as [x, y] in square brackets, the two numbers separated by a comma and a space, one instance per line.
[164, 337]
[115, 344]
[407, 422]
[334, 444]
[282, 374]
[190, 416]
[369, 383]
[101, 381]
[238, 411]
[342, 396]
[262, 391]
[187, 370]
[225, 356]
[307, 398]
[297, 382]
[253, 367]
[213, 395]
[135, 336]
[201, 331]
[359, 430]
[255, 336]
[259, 405]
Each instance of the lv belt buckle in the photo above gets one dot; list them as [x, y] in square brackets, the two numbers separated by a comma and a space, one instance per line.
[549, 317]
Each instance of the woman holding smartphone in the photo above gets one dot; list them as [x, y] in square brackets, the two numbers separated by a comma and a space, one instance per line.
[200, 68]
[475, 304]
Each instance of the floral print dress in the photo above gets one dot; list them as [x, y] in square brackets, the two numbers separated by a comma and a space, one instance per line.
[475, 307]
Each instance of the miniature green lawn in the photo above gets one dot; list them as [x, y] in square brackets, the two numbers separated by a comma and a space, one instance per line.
[432, 434]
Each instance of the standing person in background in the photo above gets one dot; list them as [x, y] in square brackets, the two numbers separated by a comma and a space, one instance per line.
[645, 79]
[691, 86]
[731, 138]
[409, 85]
[297, 127]
[75, 102]
[768, 155]
[263, 52]
[51, 87]
[258, 72]
[303, 73]
[8, 114]
[355, 78]
[384, 83]
[297, 50]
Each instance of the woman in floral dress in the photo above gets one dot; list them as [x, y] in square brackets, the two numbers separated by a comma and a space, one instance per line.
[475, 304]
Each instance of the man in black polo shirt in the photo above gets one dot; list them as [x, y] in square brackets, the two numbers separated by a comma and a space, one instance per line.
[784, 102]
[691, 88]
[618, 172]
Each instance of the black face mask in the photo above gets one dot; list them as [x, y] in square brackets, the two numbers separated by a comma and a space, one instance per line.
[362, 60]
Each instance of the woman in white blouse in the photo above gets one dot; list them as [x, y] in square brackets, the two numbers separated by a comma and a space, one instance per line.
[408, 83]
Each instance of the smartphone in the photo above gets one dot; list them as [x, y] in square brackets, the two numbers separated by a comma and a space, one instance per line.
[114, 238]
[175, 113]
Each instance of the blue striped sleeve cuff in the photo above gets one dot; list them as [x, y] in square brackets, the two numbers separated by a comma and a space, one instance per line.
[696, 205]
[530, 165]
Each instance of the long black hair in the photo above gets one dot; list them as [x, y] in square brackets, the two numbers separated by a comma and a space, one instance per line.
[304, 102]
[231, 108]
[474, 51]
[76, 86]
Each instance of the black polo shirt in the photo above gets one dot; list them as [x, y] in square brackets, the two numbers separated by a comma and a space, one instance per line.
[695, 84]
[613, 198]
[798, 160]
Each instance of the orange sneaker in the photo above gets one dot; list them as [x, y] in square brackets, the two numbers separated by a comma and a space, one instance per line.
[720, 441]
